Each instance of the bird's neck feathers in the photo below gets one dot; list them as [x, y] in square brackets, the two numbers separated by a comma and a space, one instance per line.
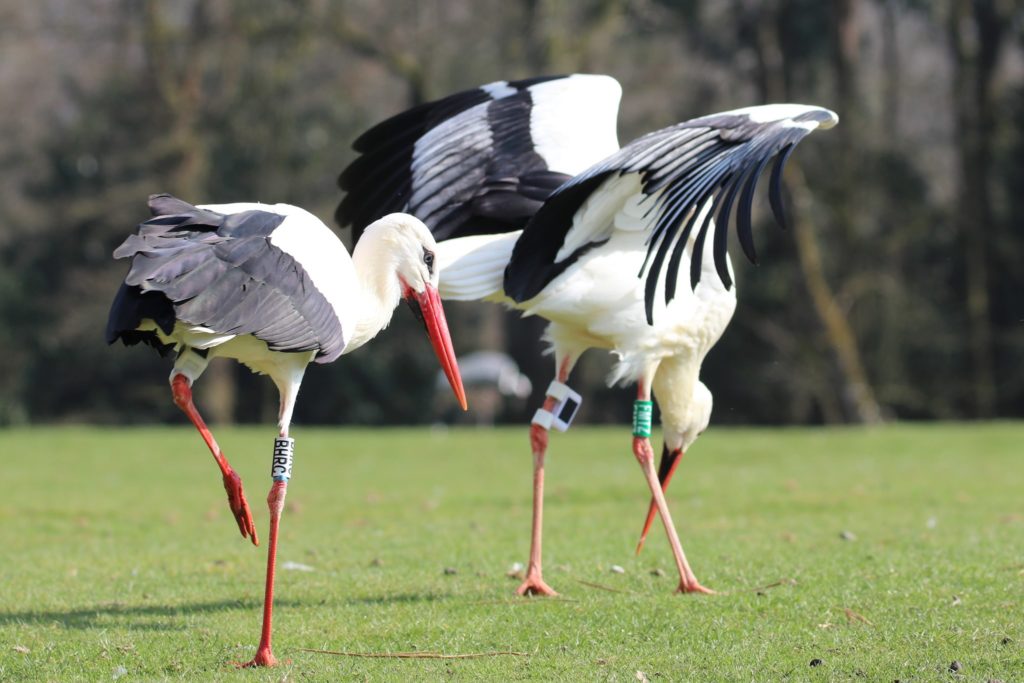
[473, 268]
[685, 402]
[376, 266]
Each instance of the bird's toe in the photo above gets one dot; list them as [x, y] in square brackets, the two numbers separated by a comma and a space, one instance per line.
[535, 586]
[694, 587]
[264, 657]
[240, 506]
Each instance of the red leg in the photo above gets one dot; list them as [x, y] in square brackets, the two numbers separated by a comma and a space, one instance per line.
[688, 582]
[644, 454]
[667, 467]
[534, 583]
[280, 471]
[275, 501]
[182, 391]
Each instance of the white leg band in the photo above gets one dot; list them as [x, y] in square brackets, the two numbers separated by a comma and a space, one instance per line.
[284, 450]
[543, 418]
[567, 404]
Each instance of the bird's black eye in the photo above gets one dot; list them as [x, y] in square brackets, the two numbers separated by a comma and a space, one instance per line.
[428, 258]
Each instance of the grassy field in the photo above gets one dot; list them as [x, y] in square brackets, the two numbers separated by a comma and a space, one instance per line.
[886, 554]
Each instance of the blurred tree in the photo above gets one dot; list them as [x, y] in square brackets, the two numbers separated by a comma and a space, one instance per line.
[904, 260]
[976, 32]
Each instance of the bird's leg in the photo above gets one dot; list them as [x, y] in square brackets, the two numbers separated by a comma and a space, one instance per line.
[534, 583]
[644, 454]
[280, 472]
[275, 501]
[181, 389]
[666, 468]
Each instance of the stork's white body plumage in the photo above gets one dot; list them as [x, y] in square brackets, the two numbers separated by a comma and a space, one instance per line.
[598, 255]
[271, 287]
[599, 303]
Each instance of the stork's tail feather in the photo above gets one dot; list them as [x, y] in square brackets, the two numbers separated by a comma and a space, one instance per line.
[666, 468]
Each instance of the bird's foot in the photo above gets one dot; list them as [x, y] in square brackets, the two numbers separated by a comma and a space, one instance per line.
[534, 585]
[240, 506]
[264, 657]
[694, 587]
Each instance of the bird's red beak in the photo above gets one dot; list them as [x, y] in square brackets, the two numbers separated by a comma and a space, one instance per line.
[427, 307]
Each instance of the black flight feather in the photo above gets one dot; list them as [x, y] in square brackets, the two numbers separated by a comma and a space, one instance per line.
[715, 158]
[775, 185]
[446, 179]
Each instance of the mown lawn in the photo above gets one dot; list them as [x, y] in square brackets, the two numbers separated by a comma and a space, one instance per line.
[886, 554]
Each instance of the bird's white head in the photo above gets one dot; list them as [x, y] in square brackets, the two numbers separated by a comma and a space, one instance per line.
[408, 247]
[700, 414]
[402, 253]
[684, 420]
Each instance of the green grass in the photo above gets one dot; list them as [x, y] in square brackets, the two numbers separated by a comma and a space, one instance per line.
[118, 551]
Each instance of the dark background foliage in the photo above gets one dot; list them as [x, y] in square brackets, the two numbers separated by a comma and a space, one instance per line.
[897, 293]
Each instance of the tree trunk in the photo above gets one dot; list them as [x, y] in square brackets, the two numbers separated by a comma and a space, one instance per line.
[976, 31]
[858, 395]
[858, 392]
[892, 84]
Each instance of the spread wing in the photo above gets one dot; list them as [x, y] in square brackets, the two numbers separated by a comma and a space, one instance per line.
[484, 160]
[689, 174]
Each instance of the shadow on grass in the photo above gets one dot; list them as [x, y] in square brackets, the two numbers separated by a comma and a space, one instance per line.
[142, 617]
[169, 617]
[398, 598]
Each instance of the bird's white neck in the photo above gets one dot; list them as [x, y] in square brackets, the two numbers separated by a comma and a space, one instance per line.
[376, 272]
[684, 401]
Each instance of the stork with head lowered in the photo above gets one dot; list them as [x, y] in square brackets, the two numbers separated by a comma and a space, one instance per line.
[536, 205]
[273, 288]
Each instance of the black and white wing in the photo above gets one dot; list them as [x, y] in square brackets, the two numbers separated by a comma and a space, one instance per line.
[713, 160]
[275, 272]
[484, 160]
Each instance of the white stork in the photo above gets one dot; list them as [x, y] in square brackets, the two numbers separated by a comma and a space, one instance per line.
[541, 209]
[272, 287]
